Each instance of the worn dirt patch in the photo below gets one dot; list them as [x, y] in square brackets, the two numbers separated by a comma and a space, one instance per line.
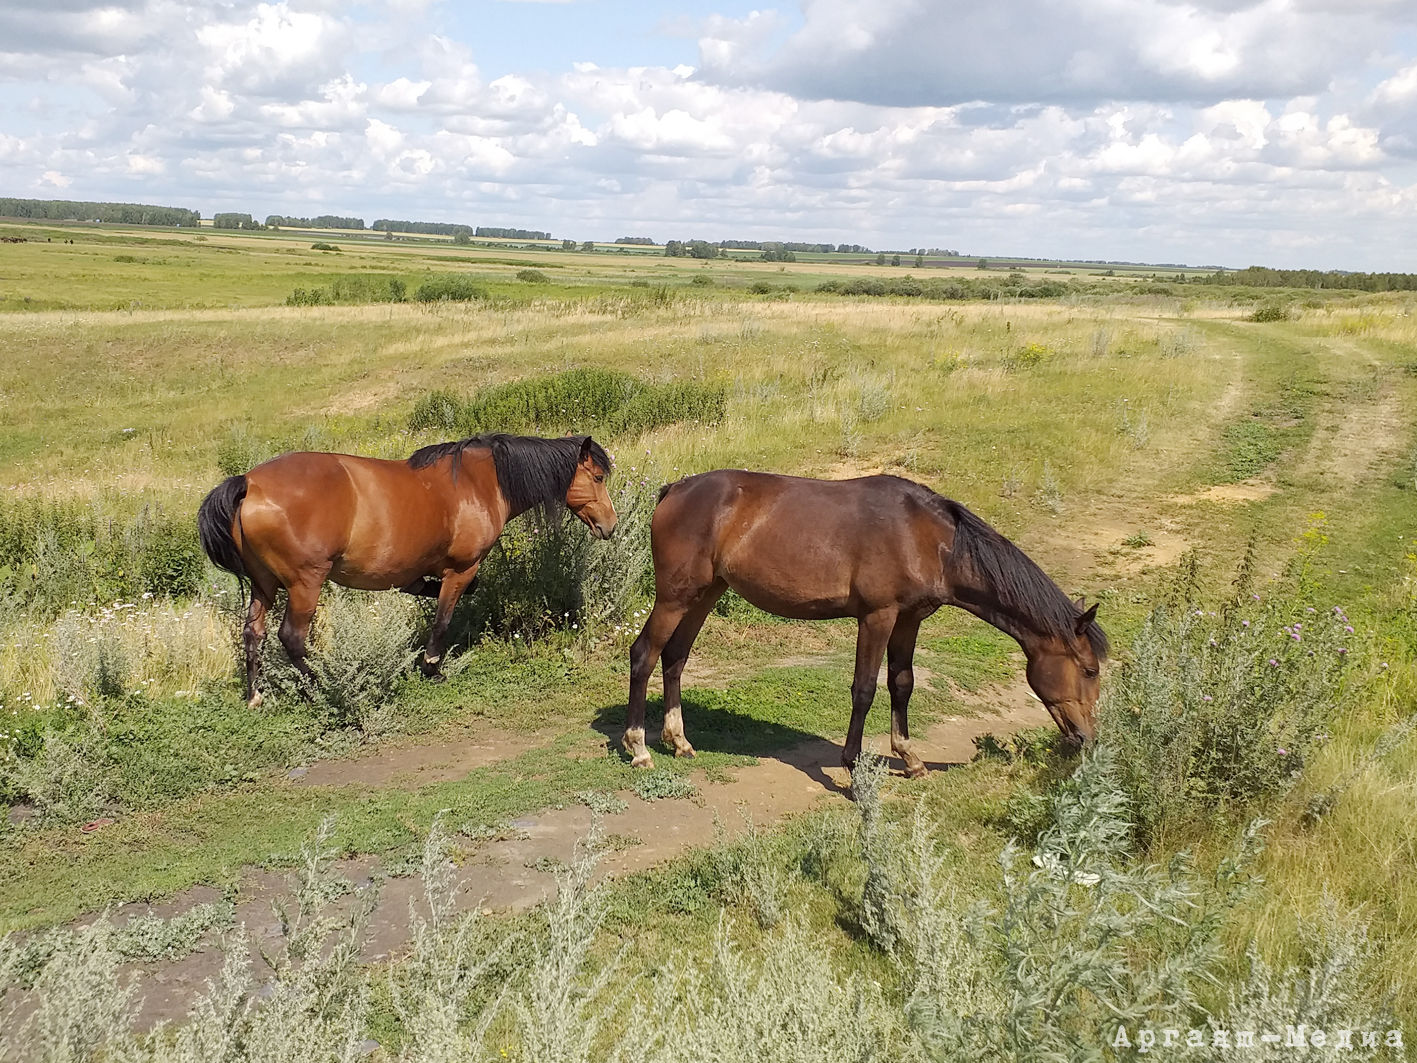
[1238, 493]
[414, 764]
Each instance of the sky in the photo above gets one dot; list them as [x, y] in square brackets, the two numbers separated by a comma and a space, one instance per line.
[1226, 132]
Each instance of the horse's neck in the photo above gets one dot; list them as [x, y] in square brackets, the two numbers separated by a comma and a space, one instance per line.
[477, 479]
[979, 598]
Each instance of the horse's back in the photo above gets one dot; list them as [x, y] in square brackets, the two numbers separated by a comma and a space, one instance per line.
[797, 546]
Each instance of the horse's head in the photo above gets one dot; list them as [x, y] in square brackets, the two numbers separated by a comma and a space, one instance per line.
[1065, 674]
[587, 497]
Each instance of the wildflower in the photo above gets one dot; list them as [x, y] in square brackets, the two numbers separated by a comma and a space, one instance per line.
[1283, 752]
[1206, 697]
[1273, 663]
[1348, 628]
[1244, 623]
[1341, 651]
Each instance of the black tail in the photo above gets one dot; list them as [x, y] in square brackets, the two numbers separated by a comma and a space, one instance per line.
[214, 520]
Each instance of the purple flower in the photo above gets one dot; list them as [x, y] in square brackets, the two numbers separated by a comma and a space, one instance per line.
[1273, 663]
[1283, 752]
[1244, 623]
[1348, 628]
[1341, 651]
[1206, 697]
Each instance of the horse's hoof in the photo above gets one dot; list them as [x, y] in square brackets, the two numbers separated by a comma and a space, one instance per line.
[254, 702]
[435, 677]
[683, 749]
[643, 760]
[915, 771]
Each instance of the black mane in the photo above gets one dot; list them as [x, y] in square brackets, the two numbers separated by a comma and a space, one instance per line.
[530, 471]
[1022, 588]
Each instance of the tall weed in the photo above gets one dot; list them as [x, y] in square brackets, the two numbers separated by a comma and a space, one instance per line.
[1217, 711]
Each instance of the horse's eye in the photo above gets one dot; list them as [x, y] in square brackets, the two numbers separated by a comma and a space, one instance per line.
[1091, 673]
[600, 479]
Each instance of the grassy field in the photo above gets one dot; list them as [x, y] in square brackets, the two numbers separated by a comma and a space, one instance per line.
[1119, 435]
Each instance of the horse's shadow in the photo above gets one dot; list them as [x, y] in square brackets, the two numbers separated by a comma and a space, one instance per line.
[715, 730]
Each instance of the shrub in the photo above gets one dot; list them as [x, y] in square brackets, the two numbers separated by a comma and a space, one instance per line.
[532, 276]
[1270, 312]
[581, 400]
[1027, 356]
[69, 779]
[1217, 711]
[450, 287]
[321, 246]
[439, 410]
[362, 646]
[548, 573]
[57, 553]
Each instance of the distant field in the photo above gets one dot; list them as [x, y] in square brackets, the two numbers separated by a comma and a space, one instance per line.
[111, 267]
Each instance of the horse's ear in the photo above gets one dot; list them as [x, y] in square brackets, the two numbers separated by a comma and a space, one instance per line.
[585, 449]
[1085, 620]
[1081, 603]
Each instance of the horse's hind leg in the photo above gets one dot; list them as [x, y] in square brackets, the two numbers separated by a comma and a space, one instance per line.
[659, 628]
[303, 596]
[675, 654]
[900, 681]
[253, 634]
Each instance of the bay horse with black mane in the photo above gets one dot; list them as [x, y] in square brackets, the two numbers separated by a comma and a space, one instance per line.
[882, 549]
[422, 525]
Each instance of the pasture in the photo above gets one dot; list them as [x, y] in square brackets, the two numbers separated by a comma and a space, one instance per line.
[1144, 442]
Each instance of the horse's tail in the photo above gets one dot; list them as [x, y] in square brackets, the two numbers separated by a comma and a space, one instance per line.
[215, 517]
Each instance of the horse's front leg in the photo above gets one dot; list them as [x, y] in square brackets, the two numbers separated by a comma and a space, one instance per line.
[453, 586]
[871, 636]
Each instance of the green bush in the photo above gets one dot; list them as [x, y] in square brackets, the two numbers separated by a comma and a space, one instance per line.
[362, 646]
[57, 553]
[1217, 711]
[579, 400]
[355, 288]
[449, 287]
[532, 276]
[544, 575]
[321, 246]
[1270, 312]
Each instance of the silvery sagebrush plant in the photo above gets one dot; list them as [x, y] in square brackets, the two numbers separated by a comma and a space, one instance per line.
[785, 1002]
[1217, 711]
[1080, 938]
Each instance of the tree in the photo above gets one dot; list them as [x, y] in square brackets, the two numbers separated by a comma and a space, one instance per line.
[568, 245]
[895, 260]
[673, 249]
[881, 259]
[920, 261]
[588, 245]
[983, 263]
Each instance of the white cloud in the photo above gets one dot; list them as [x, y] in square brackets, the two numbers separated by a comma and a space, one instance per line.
[1201, 130]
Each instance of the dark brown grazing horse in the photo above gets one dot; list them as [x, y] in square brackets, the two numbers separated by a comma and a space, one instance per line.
[422, 525]
[882, 549]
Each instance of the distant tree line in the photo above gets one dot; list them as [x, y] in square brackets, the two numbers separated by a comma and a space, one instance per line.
[425, 228]
[324, 221]
[1264, 277]
[511, 234]
[642, 241]
[233, 220]
[78, 210]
